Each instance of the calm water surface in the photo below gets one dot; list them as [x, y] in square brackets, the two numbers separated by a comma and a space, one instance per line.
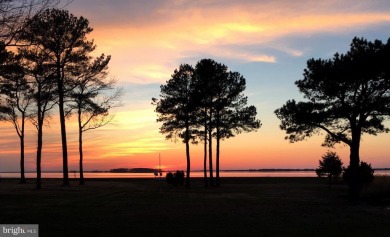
[193, 174]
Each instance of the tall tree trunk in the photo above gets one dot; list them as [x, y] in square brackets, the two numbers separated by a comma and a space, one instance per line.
[354, 186]
[218, 139]
[205, 156]
[20, 133]
[211, 157]
[63, 129]
[81, 149]
[188, 176]
[39, 146]
[218, 182]
[39, 157]
[22, 173]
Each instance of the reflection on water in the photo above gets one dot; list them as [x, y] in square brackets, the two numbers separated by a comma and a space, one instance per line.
[193, 174]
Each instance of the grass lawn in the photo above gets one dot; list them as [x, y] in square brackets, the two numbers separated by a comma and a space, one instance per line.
[241, 207]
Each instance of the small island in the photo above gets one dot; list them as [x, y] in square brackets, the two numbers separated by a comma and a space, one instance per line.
[132, 170]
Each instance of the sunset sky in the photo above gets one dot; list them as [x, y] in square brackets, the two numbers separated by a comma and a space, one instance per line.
[268, 42]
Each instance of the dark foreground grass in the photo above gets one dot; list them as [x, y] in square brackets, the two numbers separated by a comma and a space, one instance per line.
[241, 207]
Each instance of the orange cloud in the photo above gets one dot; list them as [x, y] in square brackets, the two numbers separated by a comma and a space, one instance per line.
[149, 51]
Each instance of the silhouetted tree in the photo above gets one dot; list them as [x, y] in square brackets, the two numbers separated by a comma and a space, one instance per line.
[330, 165]
[205, 85]
[347, 96]
[205, 103]
[62, 37]
[13, 16]
[231, 113]
[175, 108]
[221, 106]
[92, 101]
[18, 97]
[15, 13]
[40, 77]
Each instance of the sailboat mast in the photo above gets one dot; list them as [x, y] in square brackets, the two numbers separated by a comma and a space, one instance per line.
[159, 164]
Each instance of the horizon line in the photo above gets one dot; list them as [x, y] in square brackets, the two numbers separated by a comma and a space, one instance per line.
[197, 170]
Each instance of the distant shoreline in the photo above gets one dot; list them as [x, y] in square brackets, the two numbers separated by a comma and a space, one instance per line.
[150, 170]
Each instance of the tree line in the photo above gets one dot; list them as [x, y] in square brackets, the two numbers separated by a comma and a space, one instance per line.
[203, 103]
[50, 65]
[346, 96]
